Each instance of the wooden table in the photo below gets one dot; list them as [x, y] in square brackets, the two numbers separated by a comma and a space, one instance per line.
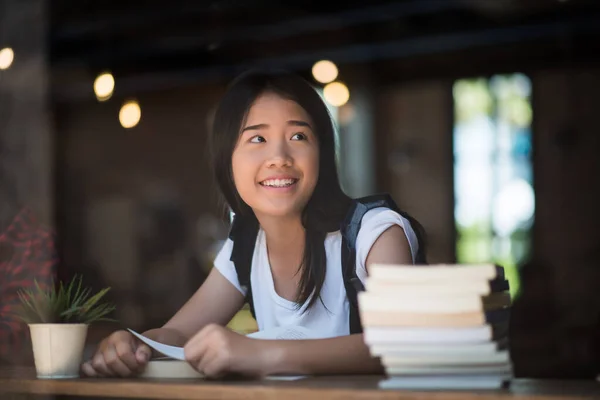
[23, 381]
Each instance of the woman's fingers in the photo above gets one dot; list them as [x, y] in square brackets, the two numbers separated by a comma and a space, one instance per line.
[116, 362]
[142, 353]
[195, 349]
[116, 355]
[217, 367]
[100, 366]
[88, 370]
[207, 358]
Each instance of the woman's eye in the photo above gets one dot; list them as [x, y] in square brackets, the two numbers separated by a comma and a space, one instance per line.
[299, 136]
[257, 139]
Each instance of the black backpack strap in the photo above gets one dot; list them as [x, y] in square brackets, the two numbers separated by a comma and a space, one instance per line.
[243, 234]
[350, 228]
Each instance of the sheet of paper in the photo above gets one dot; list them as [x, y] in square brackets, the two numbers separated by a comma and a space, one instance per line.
[170, 351]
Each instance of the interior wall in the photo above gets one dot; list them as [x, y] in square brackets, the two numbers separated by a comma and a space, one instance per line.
[557, 319]
[414, 156]
[26, 146]
[139, 209]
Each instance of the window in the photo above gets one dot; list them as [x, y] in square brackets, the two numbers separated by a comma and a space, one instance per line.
[494, 197]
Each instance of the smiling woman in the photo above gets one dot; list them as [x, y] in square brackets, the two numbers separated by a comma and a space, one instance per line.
[273, 155]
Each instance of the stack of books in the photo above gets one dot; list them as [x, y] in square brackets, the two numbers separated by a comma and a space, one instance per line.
[438, 326]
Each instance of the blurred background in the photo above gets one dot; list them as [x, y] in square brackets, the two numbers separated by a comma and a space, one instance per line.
[480, 117]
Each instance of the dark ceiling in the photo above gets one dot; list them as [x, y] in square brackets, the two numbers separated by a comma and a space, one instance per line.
[150, 43]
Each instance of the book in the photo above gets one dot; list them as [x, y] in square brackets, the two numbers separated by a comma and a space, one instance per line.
[427, 349]
[450, 370]
[168, 368]
[433, 335]
[477, 287]
[445, 359]
[441, 382]
[417, 319]
[431, 303]
[438, 326]
[445, 273]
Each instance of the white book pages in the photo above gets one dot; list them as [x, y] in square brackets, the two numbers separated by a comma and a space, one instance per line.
[169, 369]
[446, 273]
[502, 368]
[369, 301]
[380, 335]
[468, 382]
[442, 359]
[412, 349]
[410, 289]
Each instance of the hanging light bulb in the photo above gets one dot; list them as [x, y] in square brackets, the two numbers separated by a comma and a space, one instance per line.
[7, 56]
[104, 86]
[336, 94]
[324, 71]
[130, 114]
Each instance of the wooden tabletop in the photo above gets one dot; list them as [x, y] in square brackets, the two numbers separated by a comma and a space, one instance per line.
[23, 380]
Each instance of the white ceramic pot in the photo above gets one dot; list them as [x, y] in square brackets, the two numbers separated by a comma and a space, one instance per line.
[58, 349]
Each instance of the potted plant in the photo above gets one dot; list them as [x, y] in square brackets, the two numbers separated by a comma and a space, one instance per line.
[58, 318]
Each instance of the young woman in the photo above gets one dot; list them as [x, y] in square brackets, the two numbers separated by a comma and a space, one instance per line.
[273, 156]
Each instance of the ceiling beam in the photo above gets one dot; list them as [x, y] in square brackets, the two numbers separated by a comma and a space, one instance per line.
[398, 49]
[254, 33]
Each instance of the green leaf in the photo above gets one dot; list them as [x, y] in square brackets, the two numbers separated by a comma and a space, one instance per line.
[62, 303]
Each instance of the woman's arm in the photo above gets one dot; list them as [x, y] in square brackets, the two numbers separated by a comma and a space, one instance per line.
[215, 302]
[340, 355]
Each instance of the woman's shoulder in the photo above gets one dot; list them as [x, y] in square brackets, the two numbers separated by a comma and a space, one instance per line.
[378, 217]
[378, 220]
[373, 223]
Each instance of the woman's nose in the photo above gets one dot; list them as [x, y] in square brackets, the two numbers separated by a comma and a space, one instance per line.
[280, 155]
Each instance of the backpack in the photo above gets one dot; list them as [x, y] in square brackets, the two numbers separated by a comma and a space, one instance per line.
[244, 231]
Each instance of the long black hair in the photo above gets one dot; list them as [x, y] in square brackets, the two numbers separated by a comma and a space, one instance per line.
[328, 203]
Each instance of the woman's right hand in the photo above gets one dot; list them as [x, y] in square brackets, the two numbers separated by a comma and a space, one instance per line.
[120, 354]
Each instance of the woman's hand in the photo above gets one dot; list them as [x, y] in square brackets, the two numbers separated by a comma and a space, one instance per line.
[216, 351]
[120, 354]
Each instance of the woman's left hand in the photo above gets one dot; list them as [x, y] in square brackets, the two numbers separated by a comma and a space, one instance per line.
[216, 351]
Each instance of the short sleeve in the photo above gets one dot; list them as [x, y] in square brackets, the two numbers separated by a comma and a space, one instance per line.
[226, 267]
[374, 223]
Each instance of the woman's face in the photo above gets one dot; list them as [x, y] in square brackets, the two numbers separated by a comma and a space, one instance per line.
[275, 162]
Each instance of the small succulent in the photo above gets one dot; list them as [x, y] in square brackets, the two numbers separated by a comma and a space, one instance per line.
[63, 304]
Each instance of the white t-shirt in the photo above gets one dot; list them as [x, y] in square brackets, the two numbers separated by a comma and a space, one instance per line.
[332, 318]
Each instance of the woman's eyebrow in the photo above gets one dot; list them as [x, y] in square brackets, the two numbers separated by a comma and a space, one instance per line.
[255, 127]
[292, 122]
[299, 123]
